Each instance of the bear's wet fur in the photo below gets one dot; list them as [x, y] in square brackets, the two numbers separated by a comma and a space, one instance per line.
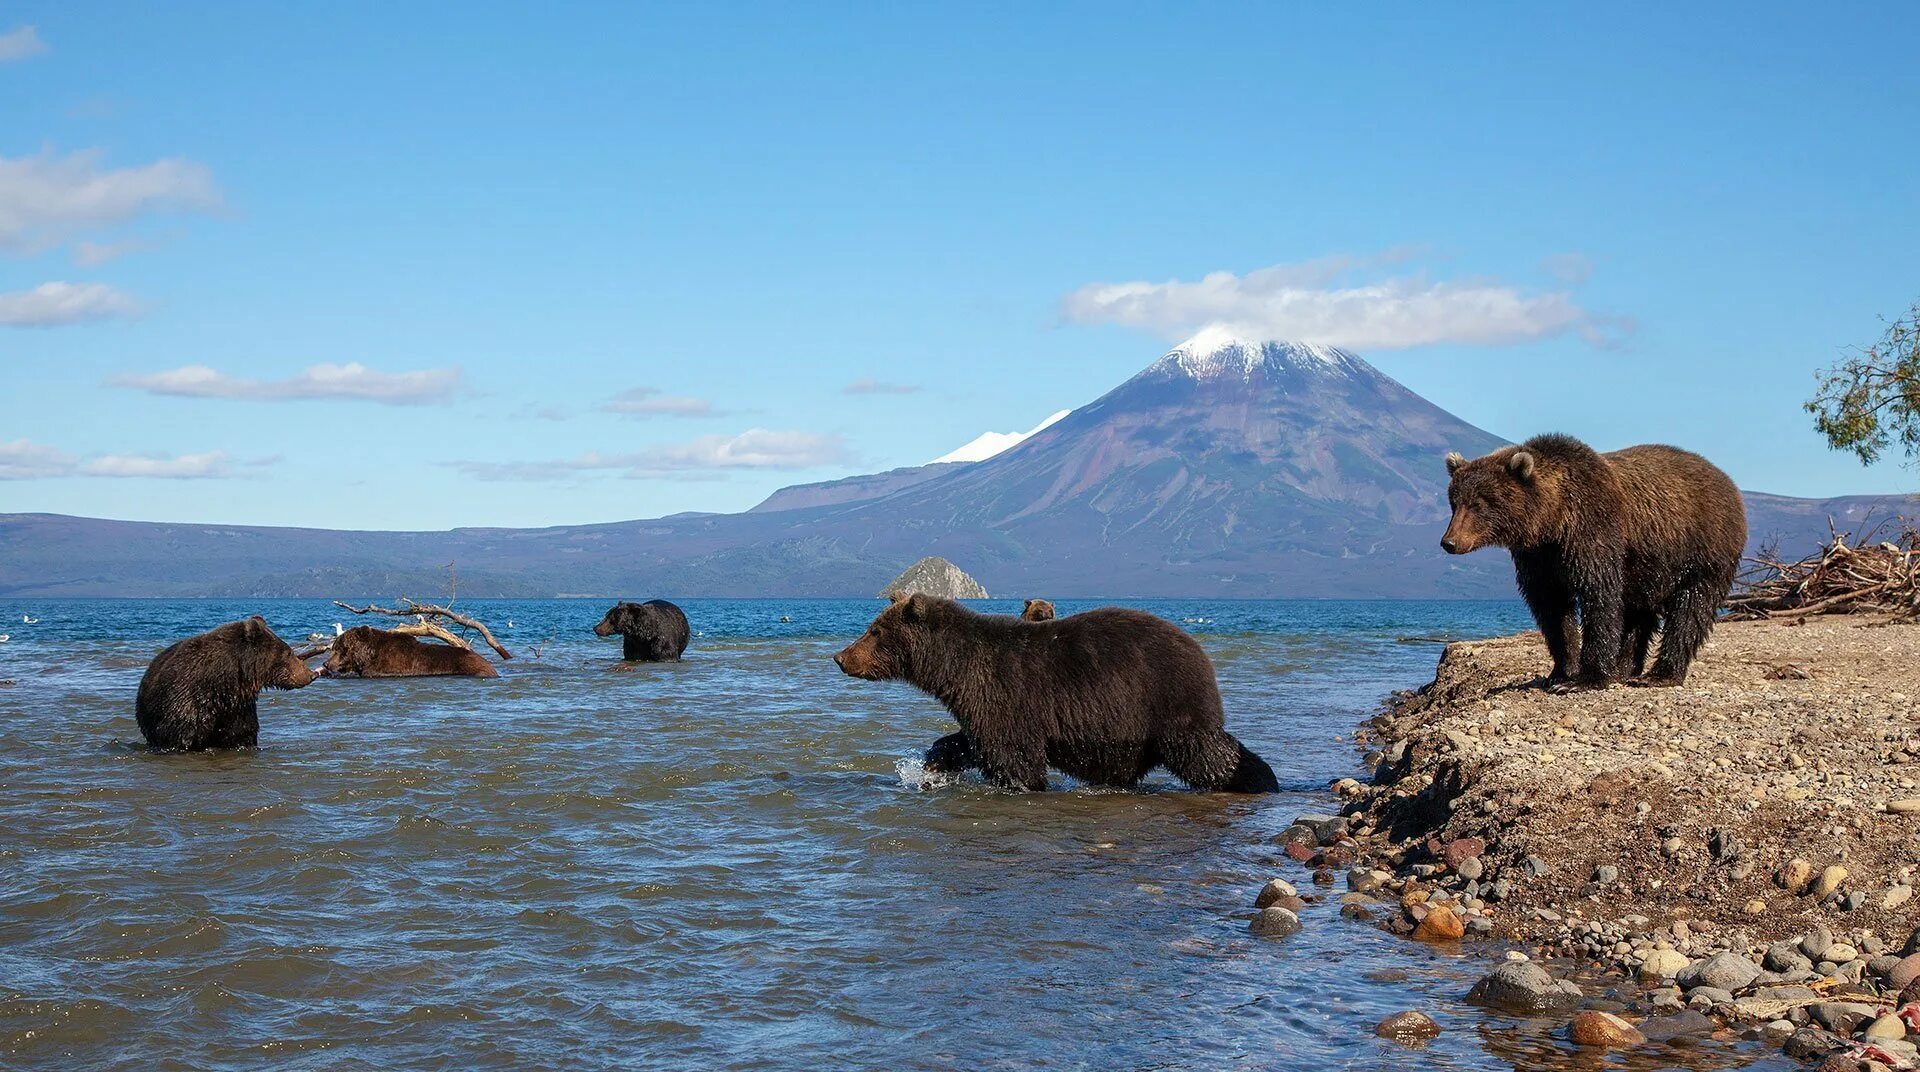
[1038, 610]
[200, 693]
[364, 651]
[1606, 548]
[654, 631]
[1104, 695]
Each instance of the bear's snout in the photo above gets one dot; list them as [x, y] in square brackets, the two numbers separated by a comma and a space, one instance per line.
[1447, 545]
[603, 629]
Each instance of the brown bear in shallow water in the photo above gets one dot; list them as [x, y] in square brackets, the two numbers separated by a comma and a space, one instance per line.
[654, 631]
[364, 651]
[200, 693]
[1038, 610]
[1606, 547]
[1104, 695]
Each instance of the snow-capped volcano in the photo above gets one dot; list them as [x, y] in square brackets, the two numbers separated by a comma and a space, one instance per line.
[1216, 352]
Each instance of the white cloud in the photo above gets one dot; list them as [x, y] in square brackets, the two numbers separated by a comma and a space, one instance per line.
[1339, 301]
[23, 459]
[349, 381]
[47, 199]
[53, 304]
[987, 444]
[211, 465]
[649, 402]
[20, 44]
[867, 385]
[755, 448]
[95, 254]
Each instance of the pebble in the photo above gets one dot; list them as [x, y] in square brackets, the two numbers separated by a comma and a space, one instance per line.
[1816, 942]
[1795, 877]
[1522, 986]
[1887, 1027]
[1440, 925]
[1896, 897]
[1910, 806]
[1606, 874]
[1722, 971]
[1829, 881]
[1603, 1029]
[1407, 1026]
[1274, 922]
[1471, 868]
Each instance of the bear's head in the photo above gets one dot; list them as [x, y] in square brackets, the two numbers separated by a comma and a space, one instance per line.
[265, 659]
[1504, 499]
[623, 619]
[885, 651]
[1037, 610]
[351, 653]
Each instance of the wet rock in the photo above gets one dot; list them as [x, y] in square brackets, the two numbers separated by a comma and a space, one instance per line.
[1298, 834]
[1275, 922]
[1524, 987]
[1407, 1026]
[1684, 1024]
[1274, 891]
[1363, 880]
[1723, 971]
[1603, 1029]
[1440, 925]
[1356, 911]
[1327, 829]
[1810, 1043]
[1829, 881]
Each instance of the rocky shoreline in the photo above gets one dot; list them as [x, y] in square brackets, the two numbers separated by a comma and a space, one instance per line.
[1743, 850]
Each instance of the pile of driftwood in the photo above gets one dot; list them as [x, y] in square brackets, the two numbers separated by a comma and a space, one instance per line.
[1844, 577]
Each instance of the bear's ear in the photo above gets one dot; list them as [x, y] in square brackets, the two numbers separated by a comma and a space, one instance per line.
[1455, 460]
[913, 607]
[1521, 465]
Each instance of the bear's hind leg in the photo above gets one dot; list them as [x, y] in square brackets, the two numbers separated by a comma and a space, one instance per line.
[1215, 761]
[950, 755]
[1689, 618]
[1637, 639]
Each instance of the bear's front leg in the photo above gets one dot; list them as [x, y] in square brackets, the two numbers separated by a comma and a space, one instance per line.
[1602, 621]
[950, 755]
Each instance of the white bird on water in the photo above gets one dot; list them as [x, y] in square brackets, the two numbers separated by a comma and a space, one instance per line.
[4, 638]
[29, 619]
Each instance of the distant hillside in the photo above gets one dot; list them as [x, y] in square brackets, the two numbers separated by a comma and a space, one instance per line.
[1235, 469]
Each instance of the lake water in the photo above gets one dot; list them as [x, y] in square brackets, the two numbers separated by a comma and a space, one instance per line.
[727, 863]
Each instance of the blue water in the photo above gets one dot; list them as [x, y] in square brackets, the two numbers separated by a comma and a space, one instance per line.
[730, 862]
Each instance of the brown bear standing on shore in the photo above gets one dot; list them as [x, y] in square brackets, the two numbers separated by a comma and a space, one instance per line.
[1606, 547]
[1037, 610]
[654, 631]
[364, 651]
[1105, 695]
[200, 693]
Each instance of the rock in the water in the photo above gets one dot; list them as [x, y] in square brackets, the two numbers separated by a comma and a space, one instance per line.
[1603, 1029]
[1440, 925]
[1684, 1024]
[1407, 1026]
[1326, 828]
[936, 577]
[1274, 890]
[1723, 971]
[1811, 1042]
[1525, 987]
[1274, 922]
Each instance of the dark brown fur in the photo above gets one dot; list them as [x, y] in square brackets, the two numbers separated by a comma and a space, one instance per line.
[364, 651]
[654, 631]
[1606, 548]
[1105, 695]
[1038, 610]
[201, 692]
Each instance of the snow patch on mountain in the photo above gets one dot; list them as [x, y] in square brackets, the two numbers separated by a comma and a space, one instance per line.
[1217, 352]
[988, 444]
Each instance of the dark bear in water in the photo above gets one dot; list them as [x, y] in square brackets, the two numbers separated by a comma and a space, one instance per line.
[654, 631]
[1104, 695]
[200, 693]
[364, 651]
[1606, 547]
[1038, 610]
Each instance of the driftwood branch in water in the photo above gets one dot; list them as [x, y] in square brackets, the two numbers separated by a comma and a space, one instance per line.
[425, 624]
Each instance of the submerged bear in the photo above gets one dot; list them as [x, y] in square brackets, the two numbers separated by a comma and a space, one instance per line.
[364, 651]
[1607, 548]
[1104, 695]
[200, 693]
[654, 631]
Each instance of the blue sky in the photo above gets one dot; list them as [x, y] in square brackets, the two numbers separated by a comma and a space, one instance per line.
[432, 264]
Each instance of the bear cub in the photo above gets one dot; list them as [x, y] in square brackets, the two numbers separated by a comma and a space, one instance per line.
[1607, 548]
[1104, 695]
[654, 631]
[364, 651]
[200, 693]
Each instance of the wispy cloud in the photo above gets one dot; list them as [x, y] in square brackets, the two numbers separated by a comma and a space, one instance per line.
[352, 381]
[1347, 301]
[47, 199]
[23, 459]
[1572, 269]
[20, 44]
[649, 402]
[867, 385]
[54, 304]
[755, 448]
[95, 254]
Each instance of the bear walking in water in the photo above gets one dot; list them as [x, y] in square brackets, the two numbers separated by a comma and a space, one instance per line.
[1606, 548]
[1104, 695]
[364, 651]
[654, 631]
[1037, 610]
[200, 693]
